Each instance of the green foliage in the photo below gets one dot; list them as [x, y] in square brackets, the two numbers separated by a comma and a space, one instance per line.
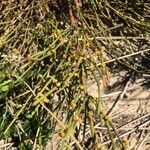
[48, 51]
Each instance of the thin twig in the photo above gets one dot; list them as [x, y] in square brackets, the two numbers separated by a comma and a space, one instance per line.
[135, 120]
[115, 38]
[5, 145]
[128, 132]
[120, 97]
[37, 133]
[126, 56]
[142, 142]
[62, 125]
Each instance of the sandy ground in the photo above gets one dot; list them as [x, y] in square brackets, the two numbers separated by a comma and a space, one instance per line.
[131, 108]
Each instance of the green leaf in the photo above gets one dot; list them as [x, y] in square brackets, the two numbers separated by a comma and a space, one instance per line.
[28, 74]
[28, 116]
[4, 88]
[2, 76]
